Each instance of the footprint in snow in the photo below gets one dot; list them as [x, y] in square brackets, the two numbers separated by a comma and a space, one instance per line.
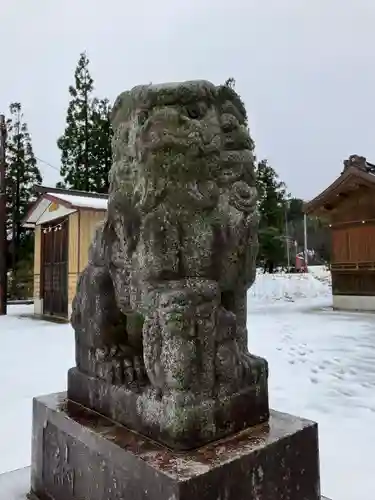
[314, 380]
[346, 392]
[366, 385]
[326, 362]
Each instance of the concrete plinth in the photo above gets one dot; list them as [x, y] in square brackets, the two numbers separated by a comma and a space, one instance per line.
[76, 453]
[357, 303]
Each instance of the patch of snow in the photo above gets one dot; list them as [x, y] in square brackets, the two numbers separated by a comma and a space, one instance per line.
[15, 485]
[322, 367]
[34, 359]
[321, 273]
[82, 201]
[283, 287]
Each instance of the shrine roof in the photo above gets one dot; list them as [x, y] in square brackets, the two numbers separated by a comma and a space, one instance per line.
[53, 203]
[358, 172]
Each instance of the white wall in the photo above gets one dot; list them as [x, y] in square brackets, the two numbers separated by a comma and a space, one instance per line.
[354, 302]
[38, 306]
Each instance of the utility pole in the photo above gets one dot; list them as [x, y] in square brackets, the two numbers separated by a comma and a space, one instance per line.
[3, 220]
[287, 234]
[305, 239]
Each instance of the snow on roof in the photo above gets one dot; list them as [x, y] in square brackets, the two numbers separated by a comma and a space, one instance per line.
[54, 203]
[82, 201]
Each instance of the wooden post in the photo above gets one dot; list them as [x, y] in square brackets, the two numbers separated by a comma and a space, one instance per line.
[305, 240]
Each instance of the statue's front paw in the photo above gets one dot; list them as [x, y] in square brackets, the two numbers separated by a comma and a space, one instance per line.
[120, 365]
[133, 370]
[126, 371]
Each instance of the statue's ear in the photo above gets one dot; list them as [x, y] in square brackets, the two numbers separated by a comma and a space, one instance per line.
[115, 109]
[121, 109]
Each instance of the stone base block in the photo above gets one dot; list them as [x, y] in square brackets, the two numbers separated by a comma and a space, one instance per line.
[181, 425]
[358, 303]
[78, 454]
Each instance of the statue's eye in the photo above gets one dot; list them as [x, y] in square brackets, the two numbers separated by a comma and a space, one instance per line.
[142, 117]
[193, 111]
[196, 111]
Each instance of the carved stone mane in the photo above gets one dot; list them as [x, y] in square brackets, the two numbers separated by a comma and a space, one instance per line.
[160, 310]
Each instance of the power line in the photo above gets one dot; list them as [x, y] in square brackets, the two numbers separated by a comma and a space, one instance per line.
[48, 164]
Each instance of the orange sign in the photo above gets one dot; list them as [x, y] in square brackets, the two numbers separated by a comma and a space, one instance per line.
[54, 206]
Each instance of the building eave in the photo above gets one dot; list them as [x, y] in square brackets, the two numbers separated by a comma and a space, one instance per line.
[61, 197]
[337, 188]
[75, 192]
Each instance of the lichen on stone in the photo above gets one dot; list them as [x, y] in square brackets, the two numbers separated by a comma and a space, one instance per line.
[177, 256]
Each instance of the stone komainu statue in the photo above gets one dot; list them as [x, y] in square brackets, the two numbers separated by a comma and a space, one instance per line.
[160, 310]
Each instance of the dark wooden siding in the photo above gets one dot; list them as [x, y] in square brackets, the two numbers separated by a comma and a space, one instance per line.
[54, 285]
[354, 244]
[357, 205]
[353, 282]
[353, 259]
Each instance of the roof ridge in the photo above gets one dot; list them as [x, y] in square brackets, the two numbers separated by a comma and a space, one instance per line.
[73, 192]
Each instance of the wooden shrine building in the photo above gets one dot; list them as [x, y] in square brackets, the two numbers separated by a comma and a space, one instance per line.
[348, 207]
[64, 223]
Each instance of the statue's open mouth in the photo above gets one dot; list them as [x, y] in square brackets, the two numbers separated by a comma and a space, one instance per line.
[170, 146]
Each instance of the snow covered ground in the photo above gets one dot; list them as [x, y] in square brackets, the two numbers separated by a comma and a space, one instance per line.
[322, 367]
[34, 358]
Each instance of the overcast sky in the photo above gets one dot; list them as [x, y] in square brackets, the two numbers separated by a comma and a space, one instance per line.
[305, 69]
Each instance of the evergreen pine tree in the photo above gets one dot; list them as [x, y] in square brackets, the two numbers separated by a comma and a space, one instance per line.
[75, 143]
[22, 173]
[272, 207]
[272, 204]
[86, 143]
[101, 145]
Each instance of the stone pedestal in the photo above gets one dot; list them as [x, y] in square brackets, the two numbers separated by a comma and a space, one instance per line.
[78, 454]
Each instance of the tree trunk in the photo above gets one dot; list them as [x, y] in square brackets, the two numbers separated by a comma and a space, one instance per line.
[86, 152]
